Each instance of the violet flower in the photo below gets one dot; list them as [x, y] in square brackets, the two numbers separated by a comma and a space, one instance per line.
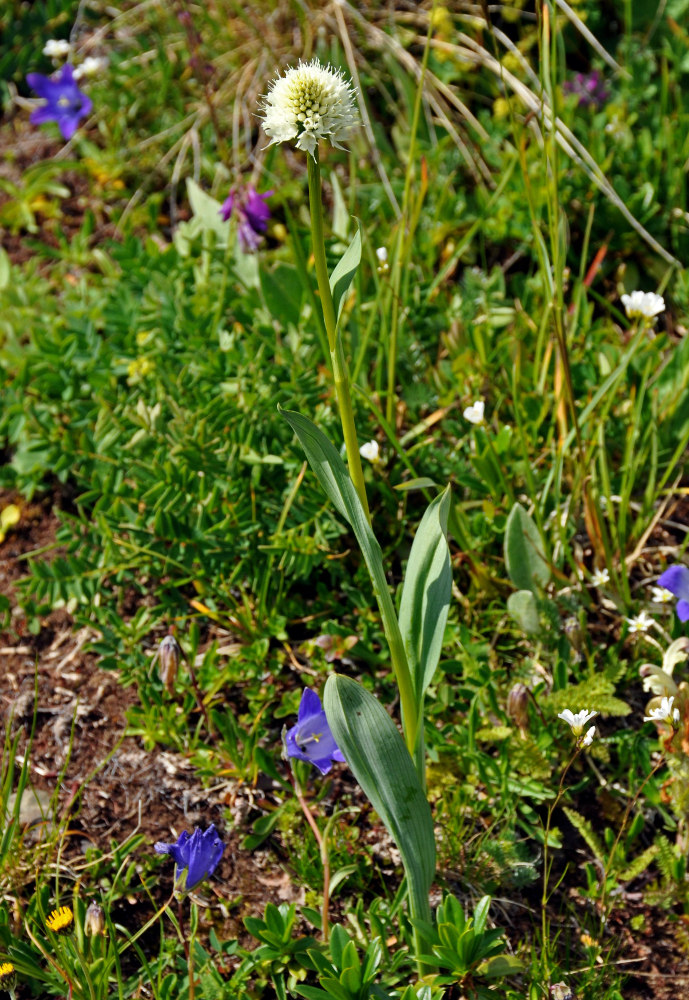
[65, 103]
[200, 854]
[311, 738]
[589, 88]
[252, 213]
[676, 580]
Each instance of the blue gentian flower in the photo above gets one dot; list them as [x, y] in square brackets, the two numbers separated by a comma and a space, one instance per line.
[65, 103]
[676, 580]
[200, 854]
[311, 738]
[252, 214]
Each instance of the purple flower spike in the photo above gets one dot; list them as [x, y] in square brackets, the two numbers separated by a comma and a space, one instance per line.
[200, 854]
[252, 212]
[311, 738]
[65, 103]
[676, 580]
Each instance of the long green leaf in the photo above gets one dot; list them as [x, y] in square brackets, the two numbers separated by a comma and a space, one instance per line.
[426, 594]
[382, 765]
[346, 268]
[525, 558]
[334, 478]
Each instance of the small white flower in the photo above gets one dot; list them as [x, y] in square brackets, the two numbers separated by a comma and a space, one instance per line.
[382, 255]
[664, 712]
[661, 595]
[91, 66]
[474, 413]
[56, 48]
[600, 577]
[639, 623]
[371, 452]
[577, 720]
[675, 716]
[643, 305]
[309, 103]
[588, 739]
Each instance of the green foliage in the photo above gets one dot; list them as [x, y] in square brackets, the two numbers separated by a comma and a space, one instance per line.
[597, 693]
[465, 949]
[426, 593]
[343, 274]
[585, 829]
[117, 382]
[525, 557]
[344, 976]
[31, 196]
[282, 953]
[383, 767]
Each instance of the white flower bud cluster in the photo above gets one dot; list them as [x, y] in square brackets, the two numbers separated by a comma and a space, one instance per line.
[310, 102]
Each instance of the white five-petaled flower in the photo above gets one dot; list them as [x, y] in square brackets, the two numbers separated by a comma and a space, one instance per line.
[600, 577]
[639, 623]
[644, 305]
[371, 452]
[577, 720]
[474, 413]
[664, 712]
[661, 595]
[588, 739]
[91, 66]
[56, 48]
[310, 102]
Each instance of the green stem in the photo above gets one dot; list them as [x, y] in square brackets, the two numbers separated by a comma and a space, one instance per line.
[190, 954]
[322, 841]
[545, 945]
[337, 358]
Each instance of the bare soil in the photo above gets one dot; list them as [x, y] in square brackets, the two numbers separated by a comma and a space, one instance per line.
[107, 786]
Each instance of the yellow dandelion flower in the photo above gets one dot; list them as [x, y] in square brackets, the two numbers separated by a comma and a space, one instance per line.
[8, 976]
[60, 920]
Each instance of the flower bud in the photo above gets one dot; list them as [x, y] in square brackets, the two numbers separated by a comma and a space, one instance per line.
[517, 708]
[94, 921]
[168, 656]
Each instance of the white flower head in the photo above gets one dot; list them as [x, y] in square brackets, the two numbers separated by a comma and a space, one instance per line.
[91, 66]
[588, 739]
[56, 48]
[643, 305]
[382, 255]
[600, 577]
[309, 103]
[371, 452]
[661, 595]
[639, 623]
[664, 712]
[577, 720]
[474, 413]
